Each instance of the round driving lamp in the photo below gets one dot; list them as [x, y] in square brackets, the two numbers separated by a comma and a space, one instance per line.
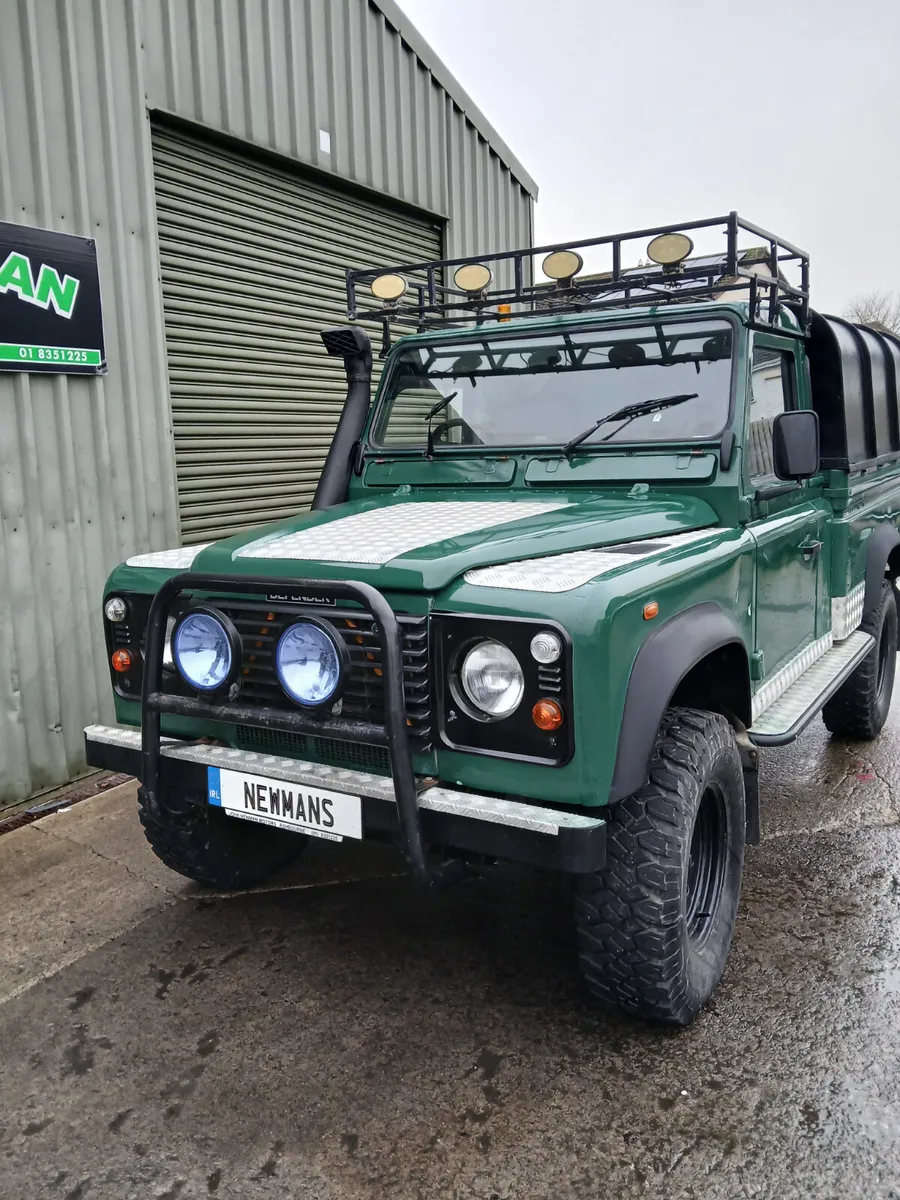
[669, 249]
[311, 663]
[473, 277]
[562, 265]
[205, 649]
[388, 288]
[491, 679]
[115, 609]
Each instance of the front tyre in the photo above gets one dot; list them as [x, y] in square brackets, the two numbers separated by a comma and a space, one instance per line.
[655, 925]
[860, 707]
[209, 847]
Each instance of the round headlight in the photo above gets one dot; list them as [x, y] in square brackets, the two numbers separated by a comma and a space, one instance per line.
[116, 609]
[492, 679]
[202, 651]
[308, 662]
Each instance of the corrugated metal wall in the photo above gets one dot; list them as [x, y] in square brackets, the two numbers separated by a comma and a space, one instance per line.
[275, 72]
[87, 465]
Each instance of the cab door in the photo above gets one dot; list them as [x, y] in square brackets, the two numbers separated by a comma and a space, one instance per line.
[788, 519]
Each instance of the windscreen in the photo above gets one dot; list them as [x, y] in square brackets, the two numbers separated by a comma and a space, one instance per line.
[546, 389]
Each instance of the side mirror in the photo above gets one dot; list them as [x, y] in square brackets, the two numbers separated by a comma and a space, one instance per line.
[795, 444]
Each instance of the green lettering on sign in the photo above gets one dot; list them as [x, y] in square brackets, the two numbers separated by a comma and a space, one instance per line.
[16, 275]
[60, 293]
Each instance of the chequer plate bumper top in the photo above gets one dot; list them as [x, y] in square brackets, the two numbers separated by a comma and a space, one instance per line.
[478, 807]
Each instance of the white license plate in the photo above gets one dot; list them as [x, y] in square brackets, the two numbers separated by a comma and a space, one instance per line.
[309, 810]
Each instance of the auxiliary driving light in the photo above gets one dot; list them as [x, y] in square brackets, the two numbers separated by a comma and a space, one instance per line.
[669, 249]
[562, 265]
[309, 663]
[473, 277]
[203, 650]
[388, 288]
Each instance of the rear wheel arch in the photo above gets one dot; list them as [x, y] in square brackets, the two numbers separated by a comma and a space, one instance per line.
[698, 658]
[882, 558]
[859, 709]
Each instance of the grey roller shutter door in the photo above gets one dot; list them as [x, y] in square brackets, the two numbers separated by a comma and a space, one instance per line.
[253, 259]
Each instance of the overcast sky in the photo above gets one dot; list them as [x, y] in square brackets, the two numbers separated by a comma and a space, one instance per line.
[637, 112]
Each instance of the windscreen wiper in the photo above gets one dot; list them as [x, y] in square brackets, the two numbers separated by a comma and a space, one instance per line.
[429, 417]
[626, 414]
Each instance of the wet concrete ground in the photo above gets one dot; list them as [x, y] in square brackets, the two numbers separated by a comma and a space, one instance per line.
[340, 1034]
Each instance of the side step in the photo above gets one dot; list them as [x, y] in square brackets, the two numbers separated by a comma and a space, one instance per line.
[789, 715]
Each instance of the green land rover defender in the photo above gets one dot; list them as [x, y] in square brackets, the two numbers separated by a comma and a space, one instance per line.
[592, 543]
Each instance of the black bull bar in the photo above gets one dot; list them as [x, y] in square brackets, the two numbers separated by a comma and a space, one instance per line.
[393, 733]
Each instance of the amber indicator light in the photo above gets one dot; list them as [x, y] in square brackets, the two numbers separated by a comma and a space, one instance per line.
[121, 660]
[547, 715]
[650, 610]
[503, 311]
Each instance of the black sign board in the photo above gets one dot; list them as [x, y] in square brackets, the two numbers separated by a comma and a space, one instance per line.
[50, 318]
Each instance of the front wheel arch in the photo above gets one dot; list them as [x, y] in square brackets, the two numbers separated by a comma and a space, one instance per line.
[673, 661]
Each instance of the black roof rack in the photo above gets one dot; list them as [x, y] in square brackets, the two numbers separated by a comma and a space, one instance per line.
[753, 273]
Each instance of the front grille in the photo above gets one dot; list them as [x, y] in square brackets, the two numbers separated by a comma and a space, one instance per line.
[260, 627]
[356, 755]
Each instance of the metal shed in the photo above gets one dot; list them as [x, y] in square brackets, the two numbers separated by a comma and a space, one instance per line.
[230, 158]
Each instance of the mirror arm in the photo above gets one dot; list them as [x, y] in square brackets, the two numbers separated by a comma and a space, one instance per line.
[774, 491]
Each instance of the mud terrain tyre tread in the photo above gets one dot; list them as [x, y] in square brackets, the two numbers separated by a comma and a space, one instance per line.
[859, 709]
[212, 848]
[631, 917]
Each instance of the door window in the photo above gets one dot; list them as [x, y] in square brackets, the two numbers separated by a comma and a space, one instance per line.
[771, 393]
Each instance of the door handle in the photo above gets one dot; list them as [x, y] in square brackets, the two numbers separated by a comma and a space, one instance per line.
[810, 549]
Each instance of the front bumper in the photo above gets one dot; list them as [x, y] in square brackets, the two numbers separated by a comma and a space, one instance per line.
[464, 821]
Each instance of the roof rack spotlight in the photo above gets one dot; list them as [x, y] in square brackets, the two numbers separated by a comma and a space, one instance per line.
[772, 279]
[670, 249]
[473, 278]
[562, 265]
[388, 288]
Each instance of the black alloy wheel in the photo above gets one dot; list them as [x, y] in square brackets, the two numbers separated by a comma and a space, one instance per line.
[655, 925]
